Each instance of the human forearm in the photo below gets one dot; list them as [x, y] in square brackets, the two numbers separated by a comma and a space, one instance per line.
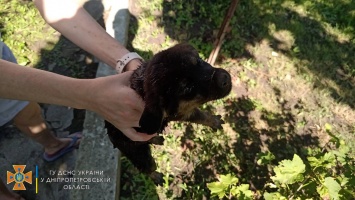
[70, 19]
[111, 97]
[30, 84]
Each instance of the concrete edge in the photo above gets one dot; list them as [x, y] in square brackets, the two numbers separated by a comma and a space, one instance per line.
[96, 152]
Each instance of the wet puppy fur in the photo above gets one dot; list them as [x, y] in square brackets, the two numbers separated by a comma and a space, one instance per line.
[173, 84]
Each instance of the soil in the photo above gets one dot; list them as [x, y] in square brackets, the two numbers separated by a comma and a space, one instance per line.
[267, 111]
[272, 108]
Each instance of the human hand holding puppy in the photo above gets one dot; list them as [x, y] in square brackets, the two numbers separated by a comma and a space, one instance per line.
[111, 97]
[117, 103]
[125, 102]
[173, 84]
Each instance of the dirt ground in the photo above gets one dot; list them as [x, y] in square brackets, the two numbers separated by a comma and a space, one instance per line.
[275, 106]
[272, 108]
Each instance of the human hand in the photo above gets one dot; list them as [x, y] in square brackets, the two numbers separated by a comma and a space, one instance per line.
[114, 100]
[132, 65]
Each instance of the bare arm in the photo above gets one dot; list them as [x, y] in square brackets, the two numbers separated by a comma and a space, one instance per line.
[111, 97]
[24, 83]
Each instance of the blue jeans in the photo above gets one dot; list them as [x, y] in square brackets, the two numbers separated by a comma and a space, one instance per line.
[9, 108]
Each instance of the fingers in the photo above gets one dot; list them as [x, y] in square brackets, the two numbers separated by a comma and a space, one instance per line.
[132, 134]
[124, 78]
[140, 105]
[135, 101]
[134, 98]
[136, 124]
[122, 106]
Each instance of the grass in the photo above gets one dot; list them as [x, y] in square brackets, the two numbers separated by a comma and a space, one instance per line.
[293, 75]
[36, 44]
[22, 29]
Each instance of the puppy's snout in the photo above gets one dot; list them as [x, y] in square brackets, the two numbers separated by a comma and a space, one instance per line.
[223, 79]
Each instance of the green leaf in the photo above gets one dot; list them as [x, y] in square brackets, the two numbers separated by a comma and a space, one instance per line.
[289, 171]
[342, 152]
[228, 180]
[274, 196]
[326, 161]
[333, 187]
[329, 189]
[217, 189]
[268, 196]
[343, 180]
[314, 162]
[329, 160]
[183, 186]
[328, 127]
[344, 149]
[323, 192]
[242, 192]
[328, 157]
[265, 158]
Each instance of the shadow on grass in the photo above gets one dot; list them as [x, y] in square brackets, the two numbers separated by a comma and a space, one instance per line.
[241, 155]
[132, 33]
[279, 138]
[316, 48]
[314, 42]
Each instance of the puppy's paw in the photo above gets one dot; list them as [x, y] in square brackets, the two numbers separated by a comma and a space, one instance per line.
[216, 122]
[150, 122]
[157, 178]
[158, 140]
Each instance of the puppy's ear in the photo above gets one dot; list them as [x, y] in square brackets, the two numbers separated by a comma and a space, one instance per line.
[151, 120]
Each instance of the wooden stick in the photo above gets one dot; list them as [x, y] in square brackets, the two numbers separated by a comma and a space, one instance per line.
[222, 32]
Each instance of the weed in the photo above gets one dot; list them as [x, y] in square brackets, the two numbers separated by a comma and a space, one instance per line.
[292, 68]
[21, 27]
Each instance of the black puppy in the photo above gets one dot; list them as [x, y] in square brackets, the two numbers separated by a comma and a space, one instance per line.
[173, 84]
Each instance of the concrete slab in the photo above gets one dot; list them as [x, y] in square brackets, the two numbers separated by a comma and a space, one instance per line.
[17, 149]
[96, 152]
[98, 161]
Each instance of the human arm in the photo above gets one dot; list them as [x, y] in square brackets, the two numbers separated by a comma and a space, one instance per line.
[119, 105]
[75, 23]
[71, 20]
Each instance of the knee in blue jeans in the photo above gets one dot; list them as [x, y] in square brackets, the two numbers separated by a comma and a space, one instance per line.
[7, 54]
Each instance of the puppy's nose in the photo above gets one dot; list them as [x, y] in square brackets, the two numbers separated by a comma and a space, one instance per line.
[223, 79]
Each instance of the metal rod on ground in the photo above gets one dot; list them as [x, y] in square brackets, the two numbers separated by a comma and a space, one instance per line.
[222, 32]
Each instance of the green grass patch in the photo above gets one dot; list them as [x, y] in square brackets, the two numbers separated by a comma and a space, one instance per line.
[23, 30]
[36, 44]
[293, 74]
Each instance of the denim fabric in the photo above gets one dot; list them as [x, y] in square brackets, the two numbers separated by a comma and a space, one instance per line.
[9, 108]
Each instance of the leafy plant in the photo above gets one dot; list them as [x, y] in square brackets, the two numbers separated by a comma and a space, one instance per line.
[280, 98]
[289, 171]
[227, 187]
[326, 175]
[265, 158]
